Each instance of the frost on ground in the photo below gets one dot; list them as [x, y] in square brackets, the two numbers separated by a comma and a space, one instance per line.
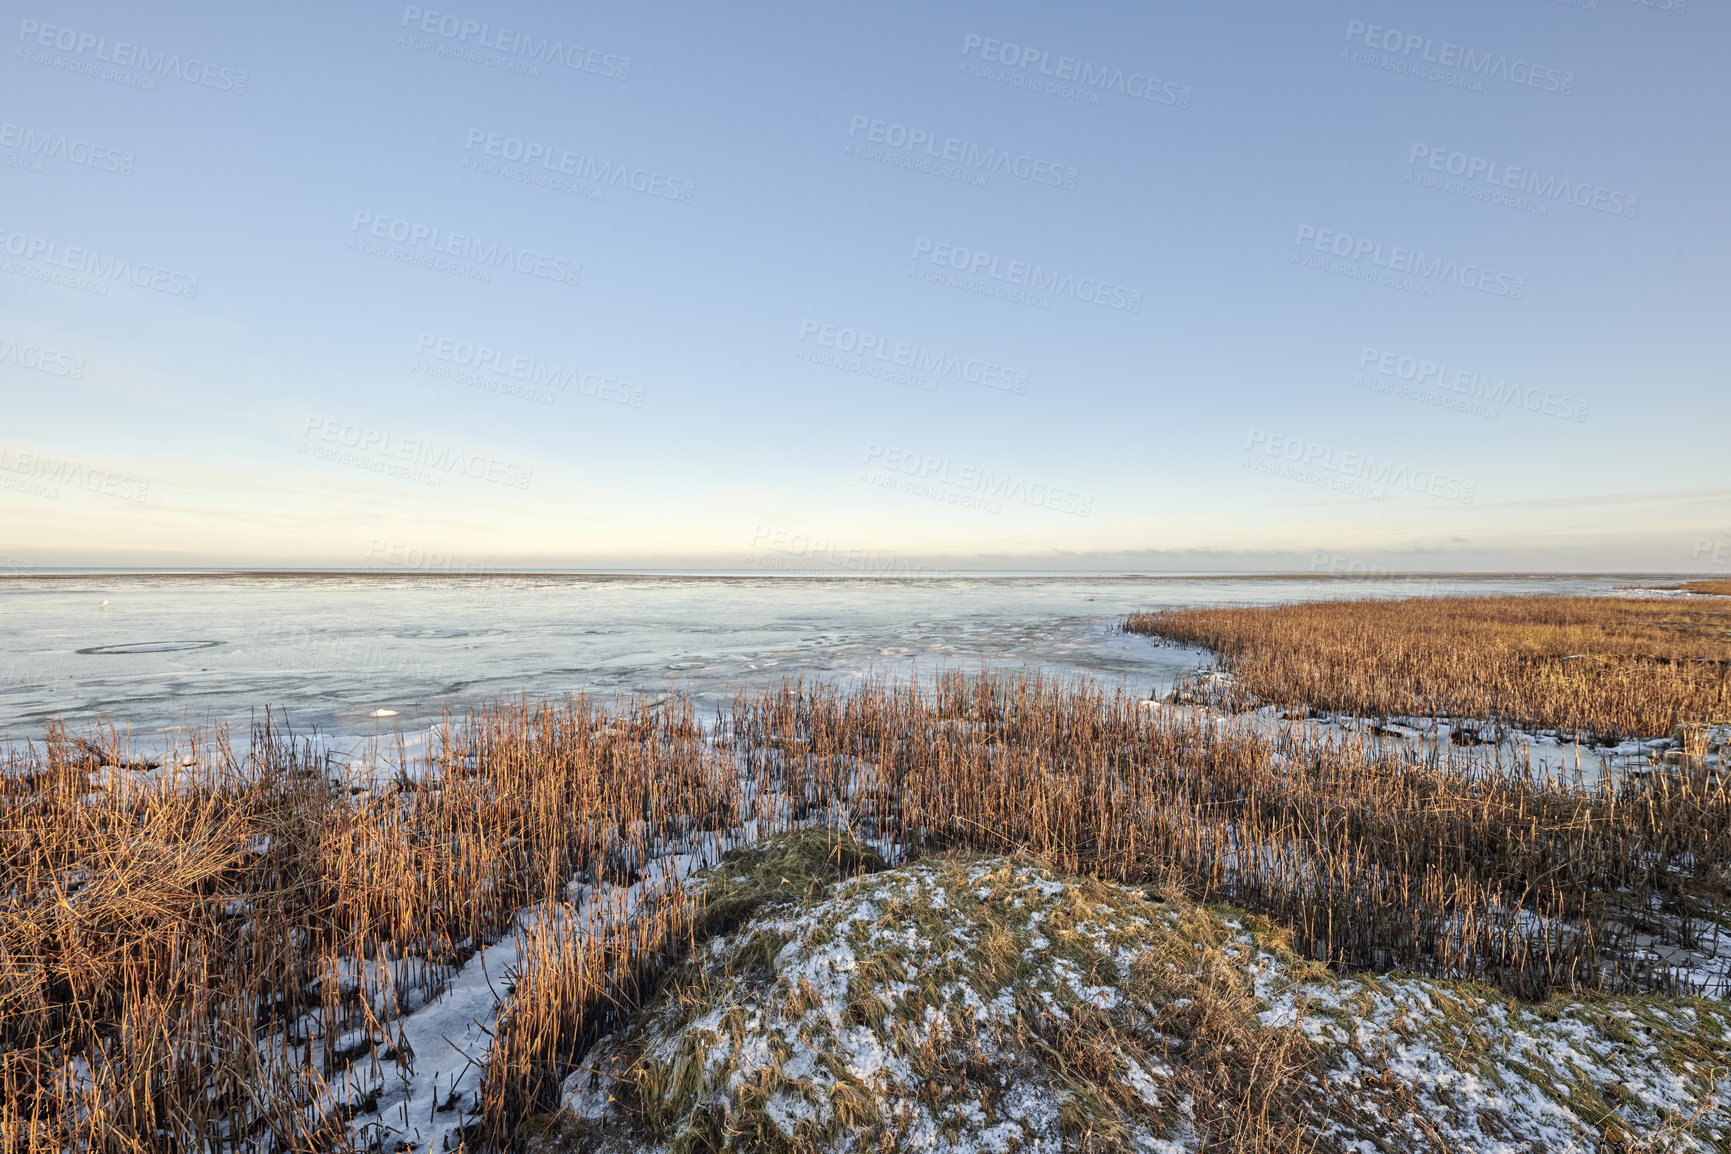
[1467, 742]
[416, 1089]
[978, 1004]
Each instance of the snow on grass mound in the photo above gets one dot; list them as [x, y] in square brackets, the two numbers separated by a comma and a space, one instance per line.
[979, 1004]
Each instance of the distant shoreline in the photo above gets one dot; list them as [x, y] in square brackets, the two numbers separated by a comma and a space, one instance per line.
[844, 574]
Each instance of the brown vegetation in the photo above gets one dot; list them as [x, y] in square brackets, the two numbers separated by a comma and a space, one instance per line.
[156, 925]
[976, 978]
[1601, 667]
[153, 926]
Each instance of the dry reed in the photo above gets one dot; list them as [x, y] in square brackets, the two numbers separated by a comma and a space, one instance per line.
[1720, 587]
[1602, 667]
[202, 955]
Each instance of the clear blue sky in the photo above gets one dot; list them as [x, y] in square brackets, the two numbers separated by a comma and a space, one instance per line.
[785, 285]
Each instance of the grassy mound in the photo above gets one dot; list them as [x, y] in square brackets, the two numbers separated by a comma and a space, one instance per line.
[786, 870]
[967, 1003]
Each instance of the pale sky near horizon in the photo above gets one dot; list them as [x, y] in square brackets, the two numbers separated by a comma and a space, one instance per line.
[1218, 285]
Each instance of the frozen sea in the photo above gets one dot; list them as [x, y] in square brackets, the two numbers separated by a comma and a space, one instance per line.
[328, 652]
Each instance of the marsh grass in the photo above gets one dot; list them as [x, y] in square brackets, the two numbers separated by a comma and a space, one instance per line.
[1602, 668]
[191, 956]
[1373, 857]
[1714, 588]
[203, 955]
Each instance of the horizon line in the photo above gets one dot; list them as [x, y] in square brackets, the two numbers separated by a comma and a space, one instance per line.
[51, 572]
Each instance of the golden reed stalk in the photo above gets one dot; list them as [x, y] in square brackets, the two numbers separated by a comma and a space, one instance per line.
[194, 956]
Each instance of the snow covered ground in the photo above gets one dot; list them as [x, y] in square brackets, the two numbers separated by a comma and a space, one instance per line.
[1463, 742]
[978, 1005]
[1472, 1071]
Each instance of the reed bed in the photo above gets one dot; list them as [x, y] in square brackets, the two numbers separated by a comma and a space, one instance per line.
[207, 956]
[1603, 668]
[224, 954]
[1373, 857]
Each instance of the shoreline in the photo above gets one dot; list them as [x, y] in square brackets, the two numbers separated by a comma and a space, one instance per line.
[848, 574]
